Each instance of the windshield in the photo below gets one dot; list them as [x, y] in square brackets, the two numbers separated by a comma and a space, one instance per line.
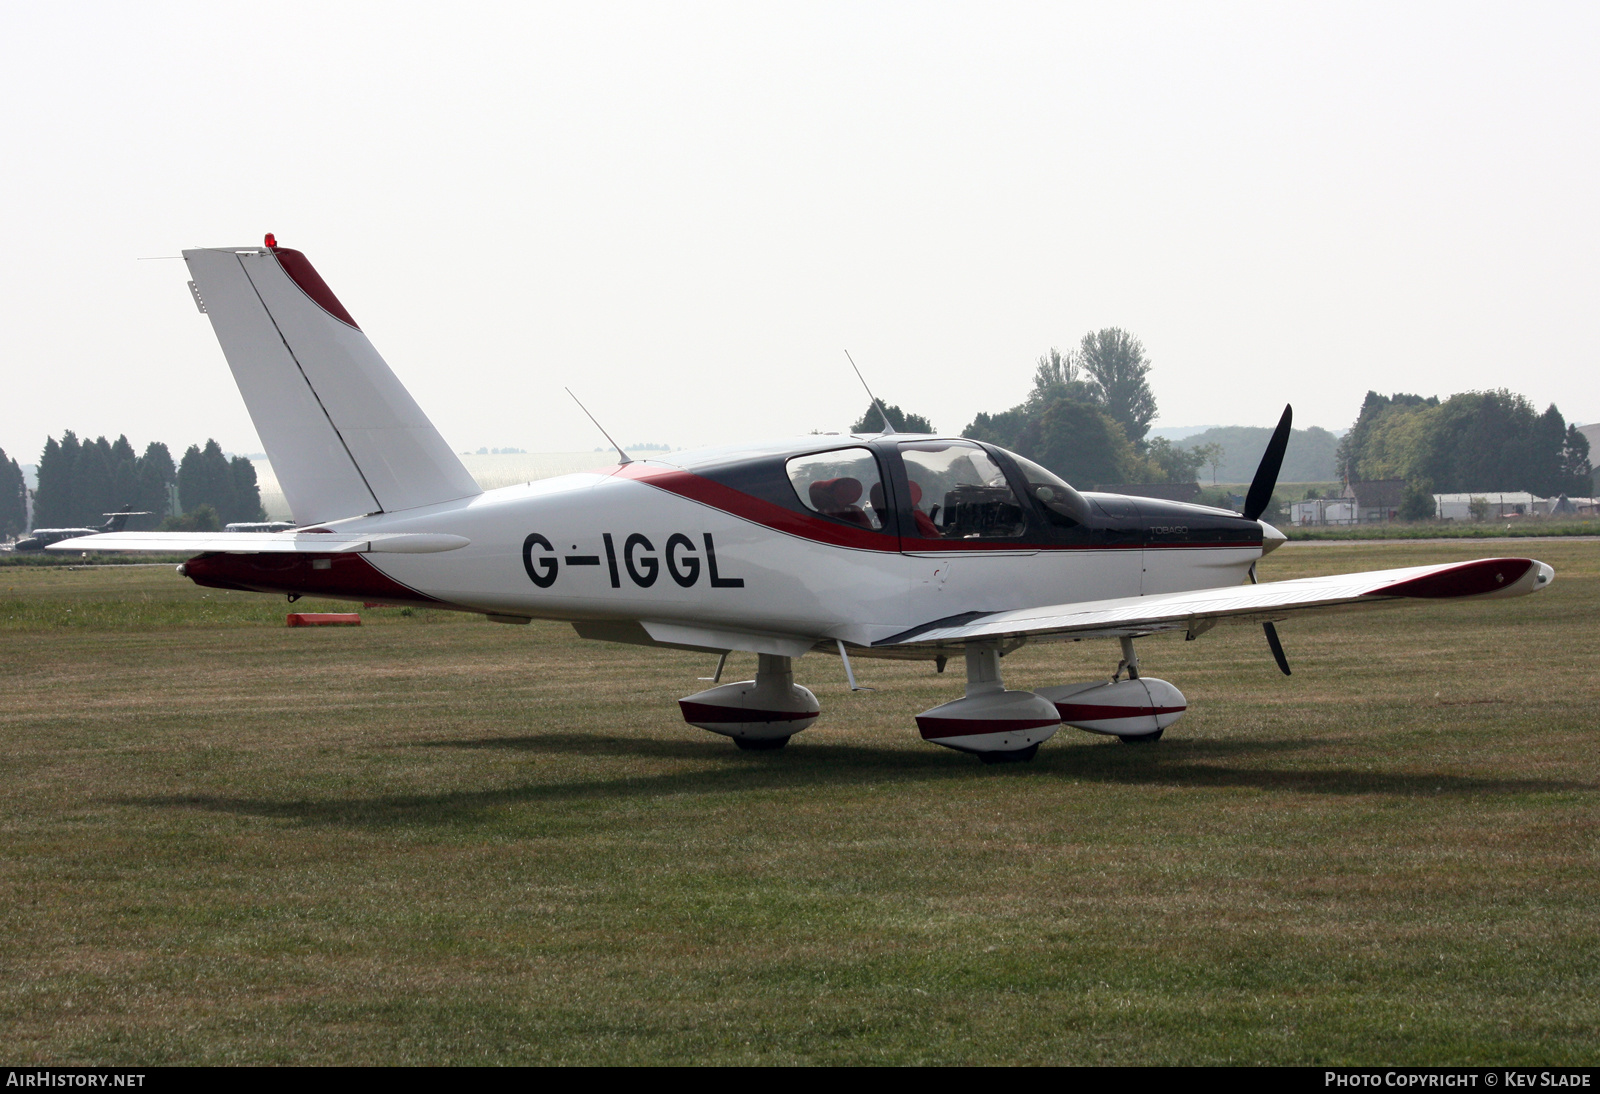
[1064, 504]
[959, 492]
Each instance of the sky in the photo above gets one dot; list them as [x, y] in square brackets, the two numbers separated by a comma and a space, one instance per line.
[688, 213]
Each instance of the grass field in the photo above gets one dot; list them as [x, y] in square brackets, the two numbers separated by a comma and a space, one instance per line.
[437, 840]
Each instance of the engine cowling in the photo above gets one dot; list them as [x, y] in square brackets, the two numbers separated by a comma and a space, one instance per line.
[1127, 708]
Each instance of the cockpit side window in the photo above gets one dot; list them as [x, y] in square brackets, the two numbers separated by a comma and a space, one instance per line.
[1063, 505]
[959, 492]
[843, 484]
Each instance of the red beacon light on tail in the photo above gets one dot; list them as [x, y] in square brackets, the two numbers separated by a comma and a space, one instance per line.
[271, 241]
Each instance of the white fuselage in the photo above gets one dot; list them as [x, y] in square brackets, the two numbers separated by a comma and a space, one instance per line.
[762, 579]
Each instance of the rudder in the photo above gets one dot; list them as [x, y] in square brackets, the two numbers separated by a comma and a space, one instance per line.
[343, 435]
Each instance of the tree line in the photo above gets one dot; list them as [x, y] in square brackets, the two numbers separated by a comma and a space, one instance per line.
[1088, 418]
[1487, 441]
[80, 481]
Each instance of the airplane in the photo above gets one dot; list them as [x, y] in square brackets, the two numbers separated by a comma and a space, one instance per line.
[887, 545]
[40, 538]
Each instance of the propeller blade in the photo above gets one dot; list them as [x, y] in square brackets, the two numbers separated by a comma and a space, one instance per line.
[1260, 496]
[1277, 648]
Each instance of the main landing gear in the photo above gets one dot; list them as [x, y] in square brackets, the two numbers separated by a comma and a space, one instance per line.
[996, 725]
[1000, 726]
[1135, 710]
[761, 714]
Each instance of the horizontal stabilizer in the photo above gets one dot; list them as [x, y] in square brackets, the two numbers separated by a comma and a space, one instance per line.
[344, 436]
[1200, 610]
[253, 543]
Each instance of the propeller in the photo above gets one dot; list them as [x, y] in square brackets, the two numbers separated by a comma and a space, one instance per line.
[1256, 502]
[1261, 487]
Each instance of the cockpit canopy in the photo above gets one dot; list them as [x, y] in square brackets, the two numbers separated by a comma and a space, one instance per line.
[944, 488]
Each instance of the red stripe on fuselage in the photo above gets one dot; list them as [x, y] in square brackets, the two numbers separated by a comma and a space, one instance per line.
[819, 529]
[348, 577]
[697, 488]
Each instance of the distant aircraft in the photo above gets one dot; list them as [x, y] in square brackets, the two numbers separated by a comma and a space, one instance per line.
[861, 546]
[40, 538]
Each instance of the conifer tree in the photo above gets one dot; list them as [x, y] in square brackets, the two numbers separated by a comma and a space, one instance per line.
[13, 501]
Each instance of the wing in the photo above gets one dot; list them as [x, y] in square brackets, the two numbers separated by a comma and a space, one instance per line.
[1199, 611]
[316, 543]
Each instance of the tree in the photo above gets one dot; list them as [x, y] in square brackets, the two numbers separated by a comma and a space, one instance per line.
[246, 492]
[156, 475]
[124, 474]
[1171, 463]
[1115, 365]
[1416, 501]
[1577, 474]
[1057, 376]
[1374, 407]
[1083, 444]
[1077, 440]
[871, 421]
[1474, 440]
[202, 518]
[204, 478]
[13, 498]
[1211, 455]
[53, 503]
[92, 483]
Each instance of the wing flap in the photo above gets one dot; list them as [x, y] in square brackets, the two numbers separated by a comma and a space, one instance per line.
[1198, 611]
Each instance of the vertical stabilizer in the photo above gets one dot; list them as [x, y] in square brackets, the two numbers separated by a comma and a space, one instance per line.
[344, 437]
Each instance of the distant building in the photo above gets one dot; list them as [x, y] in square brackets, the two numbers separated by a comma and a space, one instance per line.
[1501, 504]
[1377, 501]
[1166, 491]
[1593, 433]
[1323, 511]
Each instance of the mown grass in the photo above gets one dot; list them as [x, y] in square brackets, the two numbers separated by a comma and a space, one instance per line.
[1427, 529]
[437, 840]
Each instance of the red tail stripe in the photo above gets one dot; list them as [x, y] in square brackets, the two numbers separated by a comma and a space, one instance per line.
[302, 273]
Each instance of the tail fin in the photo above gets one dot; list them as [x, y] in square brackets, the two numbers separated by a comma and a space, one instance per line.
[344, 437]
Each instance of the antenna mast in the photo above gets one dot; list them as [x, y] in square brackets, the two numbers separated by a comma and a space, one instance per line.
[884, 414]
[624, 460]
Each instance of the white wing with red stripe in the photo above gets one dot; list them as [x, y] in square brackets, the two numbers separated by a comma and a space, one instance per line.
[1199, 611]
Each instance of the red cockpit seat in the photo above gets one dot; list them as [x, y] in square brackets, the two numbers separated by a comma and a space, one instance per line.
[837, 498]
[925, 526]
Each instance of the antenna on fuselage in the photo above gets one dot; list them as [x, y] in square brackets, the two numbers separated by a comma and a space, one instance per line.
[884, 414]
[601, 428]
